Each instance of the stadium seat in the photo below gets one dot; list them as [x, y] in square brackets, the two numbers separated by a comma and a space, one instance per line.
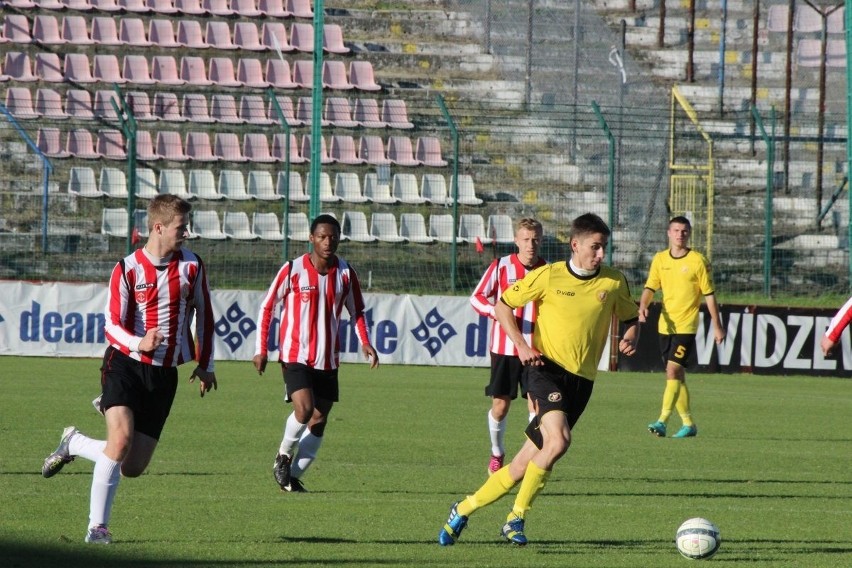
[332, 39]
[302, 37]
[75, 30]
[400, 151]
[48, 68]
[161, 33]
[809, 53]
[286, 106]
[428, 152]
[50, 5]
[16, 29]
[110, 145]
[114, 222]
[134, 6]
[189, 34]
[307, 153]
[355, 228]
[164, 7]
[260, 185]
[371, 149]
[195, 109]
[78, 5]
[501, 229]
[145, 147]
[105, 31]
[78, 104]
[338, 113]
[140, 222]
[190, 7]
[194, 72]
[347, 186]
[303, 73]
[299, 228]
[217, 7]
[170, 146]
[304, 111]
[247, 38]
[245, 8]
[326, 194]
[275, 37]
[113, 183]
[395, 114]
[266, 226]
[300, 8]
[343, 150]
[236, 225]
[140, 105]
[20, 4]
[103, 107]
[82, 183]
[205, 224]
[412, 227]
[198, 147]
[467, 190]
[273, 8]
[232, 185]
[278, 74]
[146, 183]
[173, 182]
[296, 188]
[202, 184]
[471, 228]
[441, 228]
[76, 70]
[46, 30]
[105, 68]
[361, 76]
[167, 107]
[80, 144]
[105, 5]
[165, 72]
[279, 149]
[256, 148]
[367, 114]
[222, 72]
[19, 101]
[405, 189]
[218, 35]
[131, 31]
[226, 147]
[807, 20]
[49, 143]
[48, 104]
[223, 108]
[835, 54]
[378, 192]
[17, 66]
[136, 70]
[250, 73]
[383, 227]
[334, 76]
[433, 188]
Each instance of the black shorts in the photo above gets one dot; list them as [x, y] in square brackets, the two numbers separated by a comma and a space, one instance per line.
[148, 390]
[507, 372]
[677, 348]
[554, 388]
[298, 376]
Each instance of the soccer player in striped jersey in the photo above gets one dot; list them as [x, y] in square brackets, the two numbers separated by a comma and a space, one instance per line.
[576, 301]
[507, 372]
[313, 288]
[152, 297]
[683, 275]
[839, 322]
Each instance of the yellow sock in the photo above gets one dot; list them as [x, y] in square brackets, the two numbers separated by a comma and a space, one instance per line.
[670, 395]
[683, 406]
[494, 487]
[534, 481]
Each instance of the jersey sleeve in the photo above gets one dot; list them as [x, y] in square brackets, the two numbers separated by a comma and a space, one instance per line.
[839, 322]
[276, 293]
[530, 288]
[118, 294]
[485, 293]
[355, 307]
[204, 328]
[705, 282]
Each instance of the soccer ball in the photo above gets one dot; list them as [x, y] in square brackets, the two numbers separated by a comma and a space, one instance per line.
[698, 539]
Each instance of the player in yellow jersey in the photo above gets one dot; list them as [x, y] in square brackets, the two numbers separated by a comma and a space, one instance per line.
[684, 277]
[575, 300]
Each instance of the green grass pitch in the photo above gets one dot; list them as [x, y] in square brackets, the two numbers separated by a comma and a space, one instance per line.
[772, 467]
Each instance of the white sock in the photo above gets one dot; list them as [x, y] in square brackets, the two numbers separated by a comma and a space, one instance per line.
[105, 480]
[85, 447]
[293, 430]
[308, 447]
[498, 433]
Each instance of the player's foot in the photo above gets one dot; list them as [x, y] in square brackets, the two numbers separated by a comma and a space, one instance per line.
[99, 535]
[281, 471]
[54, 463]
[687, 432]
[97, 404]
[495, 464]
[295, 486]
[513, 531]
[452, 528]
[657, 429]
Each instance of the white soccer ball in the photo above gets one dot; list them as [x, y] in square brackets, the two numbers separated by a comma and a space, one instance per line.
[698, 539]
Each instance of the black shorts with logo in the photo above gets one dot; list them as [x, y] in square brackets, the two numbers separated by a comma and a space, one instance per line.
[298, 376]
[148, 390]
[507, 373]
[677, 348]
[554, 388]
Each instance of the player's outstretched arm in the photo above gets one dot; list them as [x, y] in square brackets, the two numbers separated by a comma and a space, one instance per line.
[207, 378]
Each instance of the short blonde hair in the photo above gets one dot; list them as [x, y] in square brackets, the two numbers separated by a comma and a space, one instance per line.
[166, 207]
[530, 224]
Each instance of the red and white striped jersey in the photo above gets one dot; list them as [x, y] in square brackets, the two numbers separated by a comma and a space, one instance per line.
[839, 322]
[310, 314]
[142, 296]
[500, 276]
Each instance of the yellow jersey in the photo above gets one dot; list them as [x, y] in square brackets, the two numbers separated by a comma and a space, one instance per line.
[684, 282]
[574, 313]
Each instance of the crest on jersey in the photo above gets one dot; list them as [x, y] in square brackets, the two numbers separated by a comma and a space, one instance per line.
[141, 296]
[602, 296]
[554, 397]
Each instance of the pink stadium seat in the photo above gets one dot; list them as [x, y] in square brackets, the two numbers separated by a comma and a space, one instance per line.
[400, 151]
[16, 28]
[170, 146]
[17, 66]
[81, 145]
[105, 68]
[227, 147]
[250, 73]
[195, 109]
[102, 105]
[132, 32]
[286, 105]
[245, 8]
[166, 107]
[807, 19]
[140, 105]
[198, 147]
[218, 35]
[332, 39]
[164, 70]
[50, 4]
[428, 152]
[48, 68]
[189, 34]
[366, 113]
[104, 31]
[304, 110]
[223, 108]
[302, 37]
[835, 54]
[136, 70]
[49, 104]
[46, 30]
[76, 31]
[274, 36]
[217, 7]
[809, 53]
[371, 149]
[78, 104]
[165, 7]
[253, 110]
[334, 75]
[279, 149]
[247, 38]
[145, 146]
[323, 150]
[111, 145]
[777, 18]
[303, 73]
[162, 34]
[105, 5]
[395, 113]
[273, 8]
[222, 72]
[134, 6]
[193, 71]
[343, 150]
[361, 76]
[19, 101]
[300, 8]
[338, 113]
[256, 148]
[190, 7]
[78, 5]
[21, 4]
[49, 143]
[278, 74]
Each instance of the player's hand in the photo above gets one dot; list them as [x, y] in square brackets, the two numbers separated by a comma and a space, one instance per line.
[643, 314]
[720, 336]
[827, 346]
[371, 355]
[627, 347]
[259, 363]
[153, 339]
[207, 378]
[530, 357]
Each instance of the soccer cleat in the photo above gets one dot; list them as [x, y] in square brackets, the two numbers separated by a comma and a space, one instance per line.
[281, 471]
[513, 531]
[657, 429]
[452, 528]
[295, 486]
[687, 432]
[495, 464]
[54, 463]
[97, 404]
[99, 535]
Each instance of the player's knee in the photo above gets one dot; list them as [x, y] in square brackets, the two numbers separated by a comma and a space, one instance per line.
[318, 429]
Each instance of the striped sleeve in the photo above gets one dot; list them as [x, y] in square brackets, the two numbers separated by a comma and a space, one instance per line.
[278, 290]
[840, 321]
[486, 292]
[119, 315]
